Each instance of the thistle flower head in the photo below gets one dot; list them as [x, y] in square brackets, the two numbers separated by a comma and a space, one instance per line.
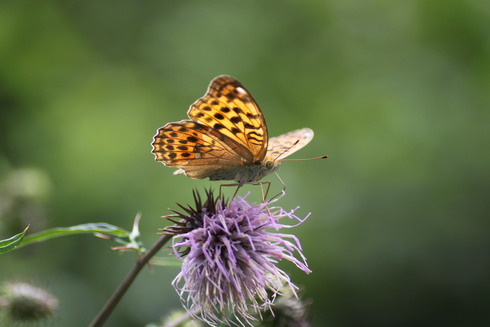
[25, 303]
[288, 311]
[229, 270]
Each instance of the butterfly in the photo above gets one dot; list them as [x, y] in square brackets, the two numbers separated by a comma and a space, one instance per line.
[226, 137]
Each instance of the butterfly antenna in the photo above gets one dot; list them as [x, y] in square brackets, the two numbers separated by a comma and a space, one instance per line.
[280, 154]
[315, 158]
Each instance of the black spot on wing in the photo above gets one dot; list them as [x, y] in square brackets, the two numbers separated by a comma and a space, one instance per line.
[235, 119]
[252, 116]
[230, 96]
[219, 116]
[250, 126]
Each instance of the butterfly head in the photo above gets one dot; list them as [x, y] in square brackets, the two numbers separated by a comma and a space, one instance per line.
[268, 166]
[255, 172]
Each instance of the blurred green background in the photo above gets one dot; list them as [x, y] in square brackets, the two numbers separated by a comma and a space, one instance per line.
[397, 92]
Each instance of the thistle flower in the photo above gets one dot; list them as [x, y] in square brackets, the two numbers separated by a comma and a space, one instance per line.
[288, 311]
[25, 303]
[229, 258]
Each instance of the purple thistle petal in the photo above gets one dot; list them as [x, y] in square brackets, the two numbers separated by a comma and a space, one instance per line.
[230, 269]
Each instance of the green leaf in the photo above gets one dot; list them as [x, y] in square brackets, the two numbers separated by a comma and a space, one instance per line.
[11, 243]
[102, 230]
[132, 240]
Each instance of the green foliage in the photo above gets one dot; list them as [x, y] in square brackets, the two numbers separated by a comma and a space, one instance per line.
[102, 230]
[11, 243]
[127, 240]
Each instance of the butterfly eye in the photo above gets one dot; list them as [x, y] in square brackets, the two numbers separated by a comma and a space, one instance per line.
[269, 165]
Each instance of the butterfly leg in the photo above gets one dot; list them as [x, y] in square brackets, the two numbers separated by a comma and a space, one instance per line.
[278, 195]
[281, 193]
[264, 196]
[236, 191]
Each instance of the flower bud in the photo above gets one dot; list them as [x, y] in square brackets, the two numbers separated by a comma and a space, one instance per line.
[23, 303]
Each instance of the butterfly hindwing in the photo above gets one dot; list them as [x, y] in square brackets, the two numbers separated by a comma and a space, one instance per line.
[197, 149]
[228, 108]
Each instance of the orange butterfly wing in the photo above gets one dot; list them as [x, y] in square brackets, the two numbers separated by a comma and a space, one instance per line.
[228, 108]
[198, 150]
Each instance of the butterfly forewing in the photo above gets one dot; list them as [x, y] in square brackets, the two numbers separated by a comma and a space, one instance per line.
[229, 109]
[282, 146]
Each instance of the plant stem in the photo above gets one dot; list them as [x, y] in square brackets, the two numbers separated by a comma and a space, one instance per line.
[126, 283]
